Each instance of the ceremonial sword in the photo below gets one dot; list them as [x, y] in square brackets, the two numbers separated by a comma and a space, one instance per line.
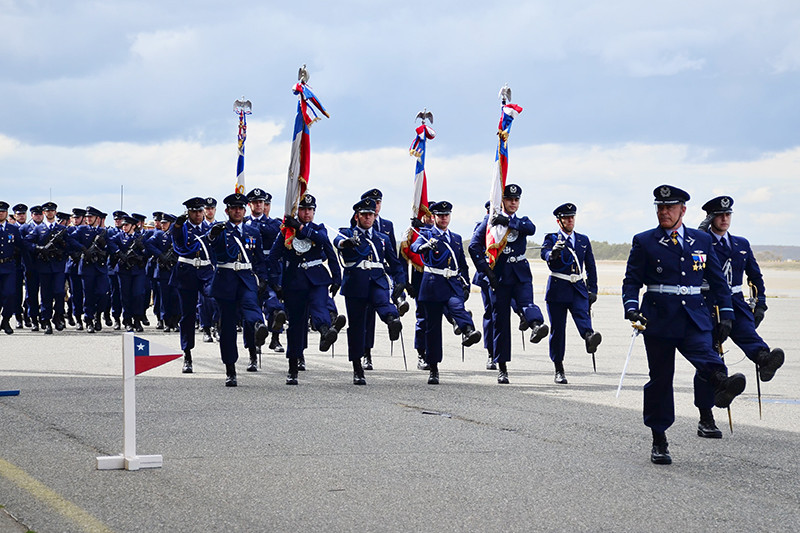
[637, 329]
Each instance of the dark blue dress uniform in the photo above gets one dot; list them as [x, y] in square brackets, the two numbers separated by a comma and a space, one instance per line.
[47, 244]
[673, 269]
[161, 249]
[738, 261]
[270, 229]
[31, 274]
[573, 277]
[366, 255]
[93, 270]
[192, 273]
[131, 258]
[71, 269]
[514, 279]
[301, 274]
[10, 245]
[235, 284]
[445, 284]
[113, 278]
[19, 310]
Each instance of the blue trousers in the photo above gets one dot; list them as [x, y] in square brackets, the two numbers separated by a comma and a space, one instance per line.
[32, 285]
[244, 304]
[133, 285]
[358, 311]
[501, 315]
[8, 293]
[116, 295]
[557, 311]
[76, 294]
[95, 291]
[51, 285]
[696, 347]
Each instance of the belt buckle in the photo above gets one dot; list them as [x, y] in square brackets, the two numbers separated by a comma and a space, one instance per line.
[574, 278]
[683, 290]
[304, 265]
[236, 266]
[196, 262]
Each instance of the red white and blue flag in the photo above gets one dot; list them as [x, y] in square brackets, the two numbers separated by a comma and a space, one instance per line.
[419, 206]
[241, 108]
[148, 355]
[300, 162]
[496, 235]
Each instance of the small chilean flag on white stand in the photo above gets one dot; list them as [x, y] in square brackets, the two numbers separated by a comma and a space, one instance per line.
[138, 355]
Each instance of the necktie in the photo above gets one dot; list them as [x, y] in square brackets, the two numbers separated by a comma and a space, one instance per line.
[723, 245]
[674, 237]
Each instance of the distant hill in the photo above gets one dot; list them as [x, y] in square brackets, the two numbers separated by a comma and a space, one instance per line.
[766, 252]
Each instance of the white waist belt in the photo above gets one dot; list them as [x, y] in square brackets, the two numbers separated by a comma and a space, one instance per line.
[364, 265]
[446, 272]
[737, 289]
[681, 290]
[308, 264]
[517, 258]
[235, 266]
[196, 262]
[572, 278]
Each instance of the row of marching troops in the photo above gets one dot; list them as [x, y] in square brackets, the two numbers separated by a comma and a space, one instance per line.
[251, 267]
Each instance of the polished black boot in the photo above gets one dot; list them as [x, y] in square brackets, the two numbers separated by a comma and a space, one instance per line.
[769, 362]
[433, 377]
[79, 324]
[471, 336]
[367, 359]
[358, 373]
[291, 377]
[253, 366]
[6, 327]
[490, 364]
[538, 332]
[27, 321]
[593, 340]
[107, 318]
[560, 378]
[278, 320]
[98, 324]
[338, 322]
[301, 363]
[117, 324]
[275, 343]
[726, 388]
[422, 364]
[34, 324]
[47, 327]
[659, 454]
[707, 428]
[70, 320]
[502, 373]
[143, 319]
[230, 375]
[207, 335]
[58, 322]
[89, 325]
[395, 327]
[159, 324]
[187, 362]
[137, 325]
[327, 336]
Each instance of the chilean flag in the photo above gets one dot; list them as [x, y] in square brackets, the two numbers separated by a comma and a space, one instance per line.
[419, 206]
[148, 355]
[496, 235]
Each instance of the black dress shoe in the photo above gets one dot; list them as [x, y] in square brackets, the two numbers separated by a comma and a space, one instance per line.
[402, 306]
[230, 381]
[338, 322]
[660, 454]
[207, 335]
[301, 363]
[70, 321]
[327, 337]
[502, 377]
[433, 377]
[187, 366]
[278, 320]
[593, 340]
[34, 325]
[560, 378]
[471, 337]
[98, 324]
[275, 343]
[253, 365]
[59, 323]
[708, 429]
[107, 319]
[358, 379]
[160, 324]
[6, 327]
[422, 364]
[728, 388]
[79, 324]
[260, 333]
[145, 321]
[47, 327]
[18, 324]
[28, 323]
[117, 324]
[539, 332]
[367, 362]
[291, 378]
[137, 325]
[89, 327]
[395, 327]
[230, 375]
[491, 365]
[769, 363]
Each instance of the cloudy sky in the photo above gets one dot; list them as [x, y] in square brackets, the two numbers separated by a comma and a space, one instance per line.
[619, 97]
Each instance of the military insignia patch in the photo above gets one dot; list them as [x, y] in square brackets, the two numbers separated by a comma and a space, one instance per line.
[665, 192]
[725, 202]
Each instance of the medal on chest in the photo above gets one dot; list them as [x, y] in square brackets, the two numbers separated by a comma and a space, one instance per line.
[699, 258]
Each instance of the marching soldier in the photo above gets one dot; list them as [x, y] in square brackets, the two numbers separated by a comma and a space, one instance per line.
[75, 304]
[737, 260]
[386, 227]
[47, 243]
[160, 247]
[367, 253]
[445, 284]
[299, 274]
[31, 273]
[150, 269]
[92, 244]
[509, 279]
[192, 273]
[131, 257]
[21, 217]
[240, 272]
[210, 212]
[572, 286]
[10, 246]
[672, 261]
[260, 205]
[113, 278]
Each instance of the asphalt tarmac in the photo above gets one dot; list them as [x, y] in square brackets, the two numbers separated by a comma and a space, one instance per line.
[397, 454]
